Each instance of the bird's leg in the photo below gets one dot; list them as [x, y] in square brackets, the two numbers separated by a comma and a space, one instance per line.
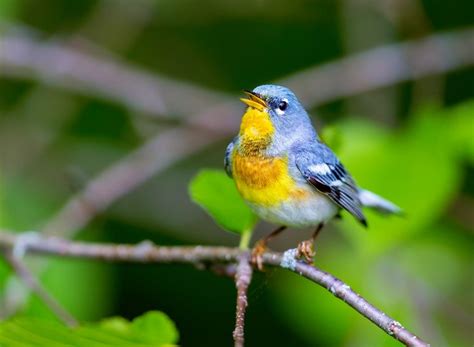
[306, 248]
[261, 246]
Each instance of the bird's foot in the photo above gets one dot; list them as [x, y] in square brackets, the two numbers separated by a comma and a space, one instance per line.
[257, 254]
[306, 251]
[261, 246]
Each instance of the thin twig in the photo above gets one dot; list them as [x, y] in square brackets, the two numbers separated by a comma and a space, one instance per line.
[243, 277]
[148, 253]
[344, 292]
[32, 283]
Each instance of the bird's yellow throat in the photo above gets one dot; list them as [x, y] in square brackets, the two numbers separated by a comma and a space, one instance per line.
[260, 179]
[256, 130]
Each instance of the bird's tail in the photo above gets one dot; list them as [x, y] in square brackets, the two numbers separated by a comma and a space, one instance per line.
[372, 200]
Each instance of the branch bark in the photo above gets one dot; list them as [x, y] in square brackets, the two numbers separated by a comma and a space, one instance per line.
[243, 276]
[146, 252]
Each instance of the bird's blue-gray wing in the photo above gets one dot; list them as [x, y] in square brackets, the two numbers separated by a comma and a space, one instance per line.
[321, 168]
[228, 157]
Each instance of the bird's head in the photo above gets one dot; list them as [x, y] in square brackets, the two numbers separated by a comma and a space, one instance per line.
[274, 115]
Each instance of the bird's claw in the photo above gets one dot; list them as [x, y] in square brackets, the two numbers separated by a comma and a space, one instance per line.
[306, 251]
[257, 253]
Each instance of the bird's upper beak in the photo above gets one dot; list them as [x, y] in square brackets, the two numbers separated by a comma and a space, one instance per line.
[254, 100]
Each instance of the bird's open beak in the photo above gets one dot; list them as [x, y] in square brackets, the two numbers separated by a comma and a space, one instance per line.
[254, 100]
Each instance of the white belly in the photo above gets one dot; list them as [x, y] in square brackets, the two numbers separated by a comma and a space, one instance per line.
[299, 213]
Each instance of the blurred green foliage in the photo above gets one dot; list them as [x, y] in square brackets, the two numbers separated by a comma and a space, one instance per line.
[412, 143]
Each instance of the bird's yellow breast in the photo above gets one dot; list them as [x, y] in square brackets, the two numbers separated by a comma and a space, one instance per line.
[256, 130]
[264, 180]
[260, 179]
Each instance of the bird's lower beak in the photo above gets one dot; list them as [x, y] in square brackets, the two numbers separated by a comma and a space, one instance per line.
[254, 100]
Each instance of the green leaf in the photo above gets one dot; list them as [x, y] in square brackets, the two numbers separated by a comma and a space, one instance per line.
[216, 193]
[152, 329]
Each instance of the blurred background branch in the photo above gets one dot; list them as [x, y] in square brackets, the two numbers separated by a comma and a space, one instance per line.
[99, 75]
[384, 66]
[157, 154]
[32, 283]
[78, 68]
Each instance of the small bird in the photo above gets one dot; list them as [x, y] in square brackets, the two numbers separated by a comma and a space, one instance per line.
[286, 174]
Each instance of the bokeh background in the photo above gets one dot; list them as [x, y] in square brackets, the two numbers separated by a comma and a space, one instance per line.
[109, 107]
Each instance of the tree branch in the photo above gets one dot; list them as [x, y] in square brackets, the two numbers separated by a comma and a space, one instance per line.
[148, 253]
[243, 276]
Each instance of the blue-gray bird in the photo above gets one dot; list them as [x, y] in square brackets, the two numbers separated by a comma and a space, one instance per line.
[286, 174]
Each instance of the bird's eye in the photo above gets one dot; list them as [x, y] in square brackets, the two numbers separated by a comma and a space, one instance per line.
[283, 105]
